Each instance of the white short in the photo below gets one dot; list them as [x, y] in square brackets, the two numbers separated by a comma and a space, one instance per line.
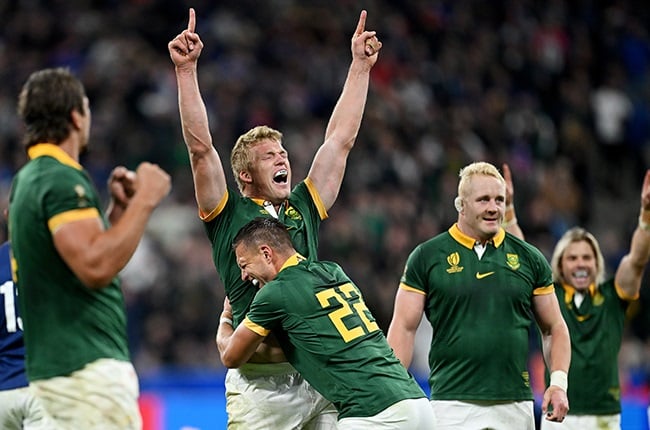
[275, 396]
[103, 395]
[453, 414]
[410, 414]
[581, 422]
[19, 410]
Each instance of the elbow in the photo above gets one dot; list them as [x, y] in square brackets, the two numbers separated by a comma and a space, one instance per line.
[96, 278]
[229, 361]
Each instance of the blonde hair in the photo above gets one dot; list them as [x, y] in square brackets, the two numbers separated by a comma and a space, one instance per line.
[240, 156]
[576, 234]
[466, 174]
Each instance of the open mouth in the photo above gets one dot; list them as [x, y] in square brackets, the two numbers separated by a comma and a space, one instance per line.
[281, 176]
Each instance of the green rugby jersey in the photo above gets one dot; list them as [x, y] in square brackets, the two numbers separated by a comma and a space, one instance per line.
[301, 213]
[480, 311]
[66, 324]
[596, 330]
[331, 338]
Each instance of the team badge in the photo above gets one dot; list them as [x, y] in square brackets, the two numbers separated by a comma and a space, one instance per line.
[292, 213]
[453, 260]
[82, 199]
[512, 260]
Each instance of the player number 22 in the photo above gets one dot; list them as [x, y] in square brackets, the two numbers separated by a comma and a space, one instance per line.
[345, 295]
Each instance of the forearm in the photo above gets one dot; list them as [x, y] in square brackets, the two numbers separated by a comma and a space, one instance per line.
[630, 270]
[557, 348]
[346, 118]
[110, 251]
[510, 222]
[224, 333]
[193, 113]
[402, 341]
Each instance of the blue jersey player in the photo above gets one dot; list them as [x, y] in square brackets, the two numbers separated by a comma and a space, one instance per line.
[18, 408]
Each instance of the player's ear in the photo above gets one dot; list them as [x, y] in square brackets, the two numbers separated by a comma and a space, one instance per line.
[458, 204]
[245, 177]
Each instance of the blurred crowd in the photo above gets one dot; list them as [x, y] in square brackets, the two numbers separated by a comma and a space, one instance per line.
[559, 90]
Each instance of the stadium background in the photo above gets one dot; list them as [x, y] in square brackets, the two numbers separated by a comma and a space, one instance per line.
[558, 89]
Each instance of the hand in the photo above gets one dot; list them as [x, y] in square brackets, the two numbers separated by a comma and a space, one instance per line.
[121, 185]
[186, 48]
[227, 309]
[152, 183]
[510, 189]
[365, 45]
[557, 398]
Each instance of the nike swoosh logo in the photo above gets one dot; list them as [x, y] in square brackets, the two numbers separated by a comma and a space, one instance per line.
[483, 275]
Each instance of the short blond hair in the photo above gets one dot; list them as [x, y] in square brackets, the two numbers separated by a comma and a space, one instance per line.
[240, 156]
[466, 173]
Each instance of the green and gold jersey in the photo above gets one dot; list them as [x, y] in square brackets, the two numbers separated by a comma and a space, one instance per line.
[596, 329]
[302, 213]
[331, 338]
[66, 324]
[480, 311]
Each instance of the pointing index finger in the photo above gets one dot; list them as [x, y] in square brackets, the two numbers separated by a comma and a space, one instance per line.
[362, 23]
[191, 24]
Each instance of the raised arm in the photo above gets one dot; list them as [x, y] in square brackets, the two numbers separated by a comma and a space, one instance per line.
[630, 271]
[556, 345]
[407, 313]
[510, 223]
[207, 169]
[328, 167]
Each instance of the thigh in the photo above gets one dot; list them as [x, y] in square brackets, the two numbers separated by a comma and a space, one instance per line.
[102, 395]
[275, 401]
[20, 410]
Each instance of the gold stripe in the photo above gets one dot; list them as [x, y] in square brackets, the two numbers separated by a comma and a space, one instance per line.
[623, 295]
[256, 328]
[216, 211]
[543, 290]
[322, 212]
[405, 287]
[292, 261]
[73, 215]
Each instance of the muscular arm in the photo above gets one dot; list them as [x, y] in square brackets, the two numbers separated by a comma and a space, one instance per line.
[630, 271]
[328, 167]
[236, 347]
[407, 314]
[96, 255]
[207, 169]
[556, 346]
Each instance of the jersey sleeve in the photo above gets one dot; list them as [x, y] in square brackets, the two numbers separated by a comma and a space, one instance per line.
[68, 197]
[544, 279]
[414, 275]
[267, 309]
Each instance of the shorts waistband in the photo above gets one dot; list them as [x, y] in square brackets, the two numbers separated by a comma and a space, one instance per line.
[265, 369]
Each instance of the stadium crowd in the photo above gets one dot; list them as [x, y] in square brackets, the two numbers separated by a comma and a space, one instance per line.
[559, 90]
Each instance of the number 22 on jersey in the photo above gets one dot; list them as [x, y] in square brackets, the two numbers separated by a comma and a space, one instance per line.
[351, 302]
